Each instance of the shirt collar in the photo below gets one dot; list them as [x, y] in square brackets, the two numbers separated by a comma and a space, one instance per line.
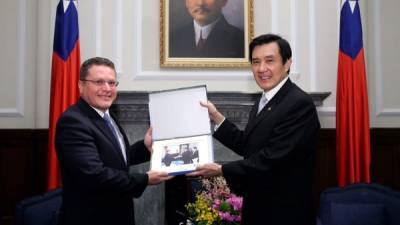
[271, 93]
[101, 113]
[205, 30]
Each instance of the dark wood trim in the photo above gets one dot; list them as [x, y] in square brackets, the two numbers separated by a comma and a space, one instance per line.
[23, 155]
[385, 156]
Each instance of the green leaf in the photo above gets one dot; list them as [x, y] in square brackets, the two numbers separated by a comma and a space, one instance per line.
[225, 207]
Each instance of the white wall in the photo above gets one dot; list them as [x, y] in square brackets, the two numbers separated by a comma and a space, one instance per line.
[127, 31]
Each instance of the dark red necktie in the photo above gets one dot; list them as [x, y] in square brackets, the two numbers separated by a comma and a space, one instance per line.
[201, 42]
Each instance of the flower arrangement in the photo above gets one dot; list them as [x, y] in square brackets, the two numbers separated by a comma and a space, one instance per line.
[215, 204]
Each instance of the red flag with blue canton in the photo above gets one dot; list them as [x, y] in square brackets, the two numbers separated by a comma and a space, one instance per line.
[352, 118]
[64, 78]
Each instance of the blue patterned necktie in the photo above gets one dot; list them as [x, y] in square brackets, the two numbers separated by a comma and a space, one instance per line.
[114, 131]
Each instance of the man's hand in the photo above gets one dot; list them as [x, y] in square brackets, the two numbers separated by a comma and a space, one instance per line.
[207, 170]
[148, 139]
[215, 115]
[156, 177]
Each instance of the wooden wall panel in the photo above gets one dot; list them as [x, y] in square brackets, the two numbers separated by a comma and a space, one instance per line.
[22, 168]
[385, 157]
[23, 165]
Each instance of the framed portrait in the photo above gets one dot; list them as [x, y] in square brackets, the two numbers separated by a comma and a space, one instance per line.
[214, 33]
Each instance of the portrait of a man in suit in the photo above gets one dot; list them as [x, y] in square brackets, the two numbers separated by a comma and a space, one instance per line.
[202, 29]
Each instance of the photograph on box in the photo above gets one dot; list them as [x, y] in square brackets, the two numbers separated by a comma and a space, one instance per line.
[181, 155]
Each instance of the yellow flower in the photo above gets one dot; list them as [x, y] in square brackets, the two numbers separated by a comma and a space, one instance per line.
[201, 210]
[214, 199]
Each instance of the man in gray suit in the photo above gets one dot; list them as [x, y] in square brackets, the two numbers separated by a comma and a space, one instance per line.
[275, 175]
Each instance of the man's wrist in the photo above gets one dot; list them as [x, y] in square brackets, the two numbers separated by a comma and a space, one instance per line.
[218, 125]
[218, 118]
[220, 170]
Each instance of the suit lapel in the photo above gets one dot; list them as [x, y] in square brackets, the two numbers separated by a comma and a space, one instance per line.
[101, 125]
[126, 142]
[255, 119]
[253, 112]
[190, 41]
[216, 35]
[106, 130]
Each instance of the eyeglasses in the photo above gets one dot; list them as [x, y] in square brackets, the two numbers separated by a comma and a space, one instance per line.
[111, 83]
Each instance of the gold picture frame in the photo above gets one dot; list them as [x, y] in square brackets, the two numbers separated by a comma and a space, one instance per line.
[177, 38]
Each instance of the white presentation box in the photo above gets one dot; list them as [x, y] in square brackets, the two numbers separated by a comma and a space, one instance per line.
[182, 136]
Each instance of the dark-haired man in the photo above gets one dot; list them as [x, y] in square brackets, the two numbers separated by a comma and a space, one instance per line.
[208, 35]
[275, 175]
[95, 155]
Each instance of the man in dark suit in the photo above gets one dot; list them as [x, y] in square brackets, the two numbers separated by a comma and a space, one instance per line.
[95, 155]
[275, 176]
[186, 153]
[169, 156]
[208, 35]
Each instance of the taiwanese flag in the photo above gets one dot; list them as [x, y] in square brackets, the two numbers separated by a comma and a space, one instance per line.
[64, 77]
[352, 120]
